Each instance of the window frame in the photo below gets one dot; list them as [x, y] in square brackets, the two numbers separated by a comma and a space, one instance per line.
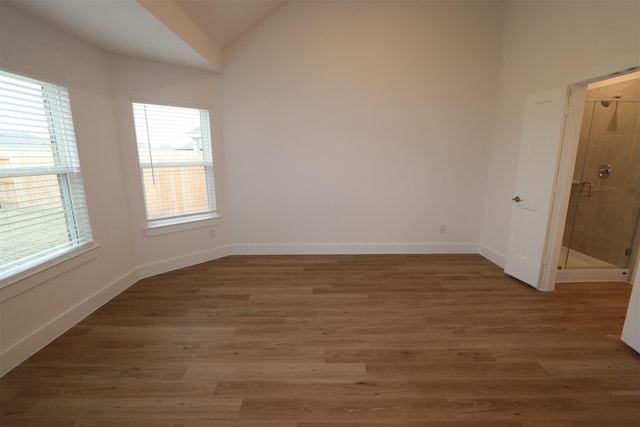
[56, 104]
[175, 223]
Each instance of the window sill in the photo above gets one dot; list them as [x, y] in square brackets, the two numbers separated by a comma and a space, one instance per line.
[162, 227]
[28, 279]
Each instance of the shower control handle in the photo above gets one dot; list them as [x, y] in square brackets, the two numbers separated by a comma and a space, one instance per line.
[517, 199]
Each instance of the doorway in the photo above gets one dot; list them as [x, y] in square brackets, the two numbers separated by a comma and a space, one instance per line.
[600, 240]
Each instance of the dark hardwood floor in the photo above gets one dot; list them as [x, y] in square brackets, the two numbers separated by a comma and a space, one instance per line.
[307, 341]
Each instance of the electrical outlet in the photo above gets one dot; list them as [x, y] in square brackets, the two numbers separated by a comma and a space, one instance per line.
[443, 229]
[212, 233]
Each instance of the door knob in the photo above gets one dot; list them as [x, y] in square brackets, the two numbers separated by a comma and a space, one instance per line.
[517, 199]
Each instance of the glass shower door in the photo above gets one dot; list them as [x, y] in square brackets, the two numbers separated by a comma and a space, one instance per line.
[605, 195]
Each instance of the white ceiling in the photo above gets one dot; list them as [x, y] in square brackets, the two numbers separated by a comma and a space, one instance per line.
[125, 27]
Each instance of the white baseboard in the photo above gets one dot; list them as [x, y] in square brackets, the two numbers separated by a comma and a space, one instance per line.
[492, 255]
[353, 248]
[183, 261]
[29, 345]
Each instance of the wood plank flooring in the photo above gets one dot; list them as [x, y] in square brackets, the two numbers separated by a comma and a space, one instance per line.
[309, 341]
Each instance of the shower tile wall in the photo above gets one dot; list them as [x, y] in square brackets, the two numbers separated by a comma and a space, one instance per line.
[605, 220]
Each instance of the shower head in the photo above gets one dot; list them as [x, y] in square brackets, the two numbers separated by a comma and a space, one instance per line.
[605, 104]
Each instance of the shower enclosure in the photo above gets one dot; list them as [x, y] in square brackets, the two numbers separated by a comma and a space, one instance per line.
[602, 221]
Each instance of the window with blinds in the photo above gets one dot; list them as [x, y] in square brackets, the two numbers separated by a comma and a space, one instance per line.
[176, 163]
[43, 213]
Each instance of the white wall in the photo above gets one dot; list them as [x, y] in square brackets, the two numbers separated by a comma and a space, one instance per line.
[361, 126]
[99, 87]
[547, 45]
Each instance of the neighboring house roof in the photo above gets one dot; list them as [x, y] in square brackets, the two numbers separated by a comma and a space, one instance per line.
[23, 141]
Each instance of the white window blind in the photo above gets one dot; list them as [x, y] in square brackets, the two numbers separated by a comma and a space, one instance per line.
[176, 162]
[43, 213]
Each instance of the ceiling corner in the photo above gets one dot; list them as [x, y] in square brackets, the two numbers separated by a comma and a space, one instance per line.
[170, 14]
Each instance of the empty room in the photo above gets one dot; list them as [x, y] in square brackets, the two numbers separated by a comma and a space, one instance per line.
[304, 213]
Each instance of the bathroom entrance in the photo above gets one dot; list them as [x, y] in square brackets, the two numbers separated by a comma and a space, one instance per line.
[601, 238]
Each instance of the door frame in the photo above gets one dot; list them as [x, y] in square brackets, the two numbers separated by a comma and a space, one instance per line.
[564, 176]
[562, 185]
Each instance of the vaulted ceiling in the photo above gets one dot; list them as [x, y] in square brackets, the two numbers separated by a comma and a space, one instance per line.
[185, 32]
[226, 20]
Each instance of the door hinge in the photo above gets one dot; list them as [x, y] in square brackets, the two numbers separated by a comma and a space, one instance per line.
[627, 252]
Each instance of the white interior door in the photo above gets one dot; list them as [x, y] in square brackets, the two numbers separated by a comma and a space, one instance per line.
[540, 145]
[631, 329]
